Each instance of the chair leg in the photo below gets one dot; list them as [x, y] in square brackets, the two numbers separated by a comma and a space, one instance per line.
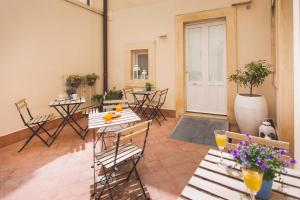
[134, 164]
[27, 141]
[140, 182]
[106, 183]
[162, 115]
[46, 131]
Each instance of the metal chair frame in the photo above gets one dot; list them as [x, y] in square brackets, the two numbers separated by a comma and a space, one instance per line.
[34, 126]
[124, 135]
[155, 109]
[130, 104]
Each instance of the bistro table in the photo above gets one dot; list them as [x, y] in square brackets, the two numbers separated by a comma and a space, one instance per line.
[210, 181]
[66, 109]
[145, 97]
[96, 121]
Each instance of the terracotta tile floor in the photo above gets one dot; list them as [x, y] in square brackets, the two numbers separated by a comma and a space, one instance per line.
[63, 170]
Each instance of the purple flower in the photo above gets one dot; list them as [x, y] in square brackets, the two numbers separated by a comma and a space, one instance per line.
[293, 161]
[269, 157]
[263, 166]
[283, 152]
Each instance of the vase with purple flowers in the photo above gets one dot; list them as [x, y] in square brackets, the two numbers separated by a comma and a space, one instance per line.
[267, 160]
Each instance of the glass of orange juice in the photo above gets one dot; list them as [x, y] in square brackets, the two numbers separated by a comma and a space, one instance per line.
[253, 181]
[221, 140]
[119, 108]
[107, 117]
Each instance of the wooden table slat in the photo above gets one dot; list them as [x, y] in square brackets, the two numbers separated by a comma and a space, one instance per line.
[194, 194]
[213, 187]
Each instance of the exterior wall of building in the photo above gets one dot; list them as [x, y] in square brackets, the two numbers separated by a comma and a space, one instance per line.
[143, 21]
[296, 25]
[41, 42]
[284, 70]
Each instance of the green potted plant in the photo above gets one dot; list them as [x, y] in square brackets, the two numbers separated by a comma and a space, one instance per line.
[90, 79]
[263, 159]
[114, 94]
[250, 109]
[74, 81]
[72, 84]
[148, 86]
[97, 98]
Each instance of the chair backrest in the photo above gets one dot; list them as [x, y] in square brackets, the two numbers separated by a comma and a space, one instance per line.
[127, 91]
[109, 105]
[22, 108]
[236, 137]
[135, 131]
[162, 97]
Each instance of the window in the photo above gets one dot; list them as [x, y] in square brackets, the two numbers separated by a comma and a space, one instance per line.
[140, 69]
[139, 64]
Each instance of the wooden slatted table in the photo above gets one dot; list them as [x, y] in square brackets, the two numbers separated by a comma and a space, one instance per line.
[66, 109]
[96, 120]
[211, 182]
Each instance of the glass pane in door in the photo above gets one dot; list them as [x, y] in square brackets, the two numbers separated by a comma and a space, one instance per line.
[216, 52]
[194, 54]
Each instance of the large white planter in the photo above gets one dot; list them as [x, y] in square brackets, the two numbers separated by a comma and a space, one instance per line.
[250, 111]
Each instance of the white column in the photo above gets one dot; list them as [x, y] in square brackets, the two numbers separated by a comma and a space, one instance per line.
[296, 24]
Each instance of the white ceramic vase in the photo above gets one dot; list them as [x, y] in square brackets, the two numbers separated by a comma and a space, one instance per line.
[250, 111]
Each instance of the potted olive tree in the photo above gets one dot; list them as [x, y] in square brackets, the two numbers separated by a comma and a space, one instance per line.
[250, 109]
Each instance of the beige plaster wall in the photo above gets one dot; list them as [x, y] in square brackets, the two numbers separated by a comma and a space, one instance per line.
[137, 21]
[284, 68]
[41, 41]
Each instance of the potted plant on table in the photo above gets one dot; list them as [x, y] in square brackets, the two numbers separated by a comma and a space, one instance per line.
[251, 109]
[263, 159]
[148, 86]
[72, 83]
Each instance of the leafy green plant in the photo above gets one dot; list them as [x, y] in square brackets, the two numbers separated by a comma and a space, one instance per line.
[74, 81]
[253, 75]
[114, 94]
[97, 98]
[90, 79]
[148, 86]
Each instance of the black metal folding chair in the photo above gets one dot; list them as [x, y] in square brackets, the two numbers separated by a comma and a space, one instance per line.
[131, 104]
[155, 106]
[35, 124]
[124, 151]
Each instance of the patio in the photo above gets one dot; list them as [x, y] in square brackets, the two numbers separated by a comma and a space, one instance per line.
[210, 89]
[63, 171]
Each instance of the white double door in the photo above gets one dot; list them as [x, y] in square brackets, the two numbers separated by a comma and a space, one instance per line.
[206, 68]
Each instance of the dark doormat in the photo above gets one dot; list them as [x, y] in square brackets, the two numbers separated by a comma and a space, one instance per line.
[198, 130]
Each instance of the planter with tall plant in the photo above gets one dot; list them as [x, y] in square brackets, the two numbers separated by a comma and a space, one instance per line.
[250, 109]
